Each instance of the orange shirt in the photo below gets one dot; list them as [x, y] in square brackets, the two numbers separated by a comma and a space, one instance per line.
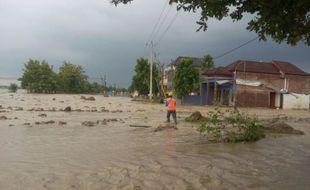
[171, 104]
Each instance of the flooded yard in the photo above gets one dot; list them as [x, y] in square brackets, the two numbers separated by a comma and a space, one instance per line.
[36, 153]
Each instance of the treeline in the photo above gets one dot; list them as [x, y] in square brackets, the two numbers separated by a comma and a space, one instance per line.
[39, 77]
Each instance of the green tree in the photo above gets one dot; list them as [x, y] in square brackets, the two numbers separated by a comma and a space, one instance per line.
[207, 62]
[141, 79]
[13, 87]
[185, 78]
[38, 77]
[282, 20]
[71, 78]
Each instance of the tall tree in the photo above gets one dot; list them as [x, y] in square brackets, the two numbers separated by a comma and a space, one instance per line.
[185, 78]
[141, 79]
[207, 62]
[38, 77]
[282, 20]
[72, 78]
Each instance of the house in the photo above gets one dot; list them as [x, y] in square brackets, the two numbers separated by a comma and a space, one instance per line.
[169, 73]
[170, 70]
[245, 83]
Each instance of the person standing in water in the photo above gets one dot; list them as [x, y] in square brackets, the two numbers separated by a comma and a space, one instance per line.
[171, 108]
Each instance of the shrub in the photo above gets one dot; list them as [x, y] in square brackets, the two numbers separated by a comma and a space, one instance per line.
[235, 127]
[13, 87]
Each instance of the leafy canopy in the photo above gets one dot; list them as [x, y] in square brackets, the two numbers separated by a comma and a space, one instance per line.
[72, 78]
[207, 62]
[185, 78]
[38, 77]
[141, 79]
[282, 20]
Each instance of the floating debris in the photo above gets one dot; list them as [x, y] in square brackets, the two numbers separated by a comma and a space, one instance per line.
[141, 126]
[3, 117]
[194, 117]
[164, 127]
[67, 109]
[89, 123]
[42, 115]
[282, 128]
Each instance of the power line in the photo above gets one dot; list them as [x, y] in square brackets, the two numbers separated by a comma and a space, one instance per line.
[158, 20]
[162, 22]
[170, 24]
[236, 48]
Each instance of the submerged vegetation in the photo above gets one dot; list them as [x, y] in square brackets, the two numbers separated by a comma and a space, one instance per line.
[231, 126]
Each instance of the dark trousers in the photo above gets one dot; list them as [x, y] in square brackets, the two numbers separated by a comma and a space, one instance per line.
[174, 115]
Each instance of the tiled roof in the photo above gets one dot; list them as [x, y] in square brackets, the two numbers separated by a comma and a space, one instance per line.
[252, 66]
[196, 61]
[274, 67]
[220, 71]
[288, 68]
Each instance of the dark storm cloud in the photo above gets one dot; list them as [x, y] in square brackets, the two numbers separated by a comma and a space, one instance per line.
[105, 39]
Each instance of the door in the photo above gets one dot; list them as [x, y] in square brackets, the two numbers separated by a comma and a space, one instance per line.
[272, 100]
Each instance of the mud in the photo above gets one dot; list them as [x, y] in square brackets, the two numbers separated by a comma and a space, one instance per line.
[282, 128]
[116, 156]
[194, 117]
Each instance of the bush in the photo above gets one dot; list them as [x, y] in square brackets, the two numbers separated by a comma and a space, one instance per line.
[235, 127]
[13, 87]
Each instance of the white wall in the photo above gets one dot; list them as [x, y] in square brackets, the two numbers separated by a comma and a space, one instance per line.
[296, 101]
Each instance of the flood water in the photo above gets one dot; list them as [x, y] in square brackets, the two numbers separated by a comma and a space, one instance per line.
[117, 156]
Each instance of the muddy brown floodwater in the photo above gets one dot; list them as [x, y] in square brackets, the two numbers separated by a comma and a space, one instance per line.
[109, 154]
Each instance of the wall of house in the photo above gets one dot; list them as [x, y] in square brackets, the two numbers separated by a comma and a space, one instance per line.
[192, 100]
[296, 101]
[296, 84]
[272, 79]
[249, 96]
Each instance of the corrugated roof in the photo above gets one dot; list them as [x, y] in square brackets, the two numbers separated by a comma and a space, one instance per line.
[196, 61]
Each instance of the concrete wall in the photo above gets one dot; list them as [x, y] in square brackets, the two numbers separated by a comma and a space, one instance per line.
[296, 101]
[192, 100]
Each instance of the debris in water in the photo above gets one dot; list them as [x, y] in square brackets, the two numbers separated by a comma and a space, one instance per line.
[42, 115]
[282, 128]
[3, 117]
[44, 122]
[91, 98]
[89, 123]
[164, 127]
[194, 117]
[67, 109]
[142, 126]
[62, 123]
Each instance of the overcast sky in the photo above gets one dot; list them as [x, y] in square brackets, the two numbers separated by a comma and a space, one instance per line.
[105, 39]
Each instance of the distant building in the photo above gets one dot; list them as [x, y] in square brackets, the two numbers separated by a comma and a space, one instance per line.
[275, 84]
[169, 72]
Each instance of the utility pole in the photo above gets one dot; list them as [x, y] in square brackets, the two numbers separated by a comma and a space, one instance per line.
[151, 71]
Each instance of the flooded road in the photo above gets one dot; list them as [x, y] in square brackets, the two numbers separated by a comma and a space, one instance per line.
[116, 156]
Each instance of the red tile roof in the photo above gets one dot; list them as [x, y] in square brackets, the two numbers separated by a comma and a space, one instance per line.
[288, 68]
[220, 71]
[274, 67]
[252, 66]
